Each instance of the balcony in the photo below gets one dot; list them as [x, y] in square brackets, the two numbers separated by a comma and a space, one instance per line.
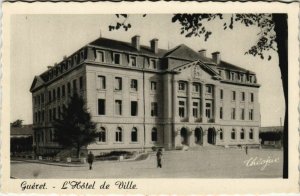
[210, 120]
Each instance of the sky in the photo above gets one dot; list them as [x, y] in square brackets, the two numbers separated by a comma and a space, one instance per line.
[38, 41]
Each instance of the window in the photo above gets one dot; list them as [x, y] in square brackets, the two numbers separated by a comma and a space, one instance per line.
[101, 82]
[58, 92]
[221, 112]
[63, 91]
[232, 76]
[242, 96]
[118, 83]
[36, 116]
[233, 113]
[42, 98]
[221, 94]
[39, 116]
[251, 134]
[118, 107]
[153, 85]
[252, 97]
[208, 110]
[196, 87]
[50, 115]
[119, 135]
[134, 135]
[251, 114]
[181, 109]
[117, 59]
[69, 88]
[233, 95]
[101, 106]
[134, 108]
[195, 109]
[99, 56]
[58, 112]
[134, 85]
[132, 61]
[153, 64]
[154, 135]
[208, 89]
[233, 134]
[242, 134]
[54, 113]
[43, 115]
[242, 114]
[81, 83]
[153, 108]
[102, 135]
[49, 96]
[53, 94]
[221, 134]
[74, 85]
[181, 86]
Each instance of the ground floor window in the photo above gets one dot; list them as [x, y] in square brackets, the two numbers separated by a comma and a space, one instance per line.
[154, 135]
[119, 135]
[102, 135]
[134, 135]
[233, 134]
[221, 134]
[251, 134]
[242, 134]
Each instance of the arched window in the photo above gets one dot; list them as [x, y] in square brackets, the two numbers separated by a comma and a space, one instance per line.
[233, 134]
[154, 134]
[242, 134]
[102, 135]
[119, 135]
[251, 134]
[134, 135]
[221, 134]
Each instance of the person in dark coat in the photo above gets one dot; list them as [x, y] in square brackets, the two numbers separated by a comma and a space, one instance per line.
[91, 159]
[246, 149]
[159, 156]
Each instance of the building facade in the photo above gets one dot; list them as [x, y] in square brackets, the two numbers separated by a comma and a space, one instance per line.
[142, 96]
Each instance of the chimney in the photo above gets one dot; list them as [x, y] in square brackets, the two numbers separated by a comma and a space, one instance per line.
[65, 57]
[49, 67]
[135, 42]
[216, 57]
[202, 52]
[154, 45]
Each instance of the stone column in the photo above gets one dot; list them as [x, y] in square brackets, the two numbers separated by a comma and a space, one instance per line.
[216, 104]
[174, 95]
[205, 133]
[204, 119]
[189, 102]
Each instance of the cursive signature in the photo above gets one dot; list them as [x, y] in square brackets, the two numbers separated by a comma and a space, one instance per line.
[257, 161]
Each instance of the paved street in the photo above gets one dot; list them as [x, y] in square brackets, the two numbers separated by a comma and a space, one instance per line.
[205, 163]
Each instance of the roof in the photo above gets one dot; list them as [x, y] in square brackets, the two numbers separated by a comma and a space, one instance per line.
[271, 128]
[24, 130]
[230, 66]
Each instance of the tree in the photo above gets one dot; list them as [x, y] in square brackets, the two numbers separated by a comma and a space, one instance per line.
[273, 31]
[74, 128]
[17, 123]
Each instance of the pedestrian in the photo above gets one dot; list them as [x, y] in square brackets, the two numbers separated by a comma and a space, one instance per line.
[246, 149]
[159, 156]
[91, 159]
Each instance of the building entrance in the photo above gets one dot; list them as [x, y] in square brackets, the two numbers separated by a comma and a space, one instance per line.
[198, 136]
[184, 136]
[211, 136]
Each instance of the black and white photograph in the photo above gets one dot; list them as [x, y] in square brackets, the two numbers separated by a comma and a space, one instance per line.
[175, 95]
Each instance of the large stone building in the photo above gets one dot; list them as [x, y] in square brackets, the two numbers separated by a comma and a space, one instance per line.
[142, 96]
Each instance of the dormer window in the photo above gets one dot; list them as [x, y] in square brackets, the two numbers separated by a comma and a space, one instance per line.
[153, 64]
[117, 58]
[232, 76]
[75, 59]
[82, 55]
[132, 61]
[99, 56]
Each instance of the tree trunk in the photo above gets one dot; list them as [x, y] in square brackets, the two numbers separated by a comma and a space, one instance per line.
[281, 29]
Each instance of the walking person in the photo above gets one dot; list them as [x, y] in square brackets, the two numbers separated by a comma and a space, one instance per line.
[159, 156]
[246, 149]
[91, 159]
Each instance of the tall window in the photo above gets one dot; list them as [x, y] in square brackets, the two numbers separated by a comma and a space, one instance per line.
[54, 113]
[134, 135]
[118, 107]
[118, 83]
[154, 135]
[102, 135]
[196, 87]
[154, 109]
[182, 109]
[233, 113]
[251, 114]
[221, 94]
[42, 98]
[251, 134]
[233, 95]
[69, 88]
[208, 109]
[195, 109]
[181, 86]
[58, 92]
[53, 95]
[101, 82]
[252, 97]
[153, 85]
[43, 115]
[134, 108]
[49, 96]
[74, 85]
[242, 96]
[58, 112]
[232, 76]
[242, 114]
[221, 112]
[63, 90]
[80, 82]
[242, 134]
[153, 64]
[132, 61]
[134, 85]
[117, 59]
[50, 115]
[101, 106]
[99, 56]
[208, 89]
[221, 134]
[233, 134]
[119, 135]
